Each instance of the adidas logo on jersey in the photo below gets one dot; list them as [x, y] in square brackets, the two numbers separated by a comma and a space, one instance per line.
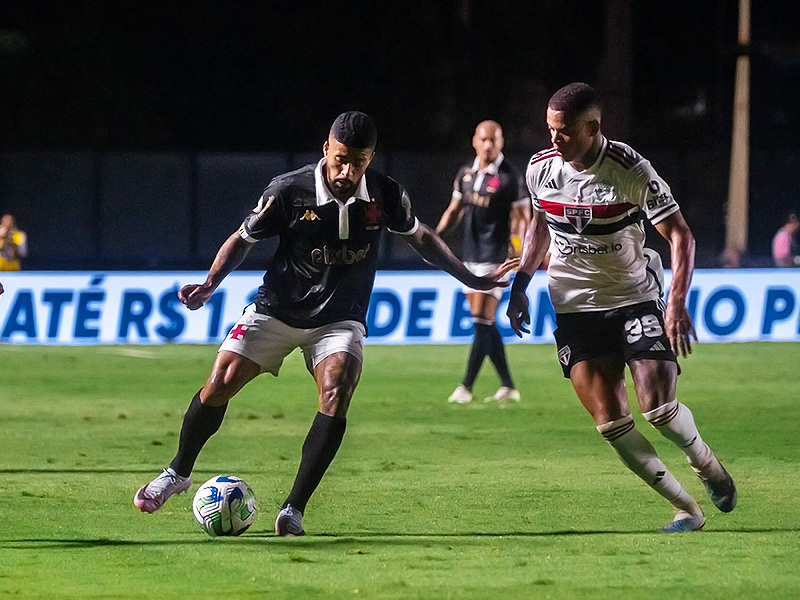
[657, 347]
[551, 184]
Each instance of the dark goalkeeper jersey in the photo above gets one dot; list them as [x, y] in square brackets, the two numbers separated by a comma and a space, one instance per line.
[487, 196]
[324, 266]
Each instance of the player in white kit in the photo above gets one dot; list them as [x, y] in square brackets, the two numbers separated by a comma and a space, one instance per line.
[590, 196]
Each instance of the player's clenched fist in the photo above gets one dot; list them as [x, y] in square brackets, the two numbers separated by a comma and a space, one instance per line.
[195, 295]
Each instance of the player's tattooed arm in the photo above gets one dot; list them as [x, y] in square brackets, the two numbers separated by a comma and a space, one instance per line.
[432, 248]
[229, 256]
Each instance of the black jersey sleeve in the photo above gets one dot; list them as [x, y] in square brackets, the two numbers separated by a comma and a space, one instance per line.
[398, 212]
[267, 218]
[458, 183]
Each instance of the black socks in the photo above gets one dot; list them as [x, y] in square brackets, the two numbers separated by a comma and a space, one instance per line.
[487, 342]
[497, 354]
[199, 423]
[322, 443]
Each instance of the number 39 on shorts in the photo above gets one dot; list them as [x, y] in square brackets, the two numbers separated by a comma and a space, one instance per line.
[646, 326]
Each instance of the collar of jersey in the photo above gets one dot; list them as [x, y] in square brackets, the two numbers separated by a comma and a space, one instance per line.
[324, 195]
[570, 170]
[492, 168]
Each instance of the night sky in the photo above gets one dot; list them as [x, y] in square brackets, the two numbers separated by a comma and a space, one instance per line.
[271, 75]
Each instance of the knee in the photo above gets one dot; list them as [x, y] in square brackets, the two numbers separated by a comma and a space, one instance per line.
[227, 378]
[335, 401]
[216, 394]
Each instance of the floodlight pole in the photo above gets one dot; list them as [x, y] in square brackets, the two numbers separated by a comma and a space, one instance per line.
[738, 182]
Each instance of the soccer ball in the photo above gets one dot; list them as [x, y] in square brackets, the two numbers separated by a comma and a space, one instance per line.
[224, 505]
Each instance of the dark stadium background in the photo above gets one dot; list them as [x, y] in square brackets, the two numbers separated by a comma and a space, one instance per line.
[136, 134]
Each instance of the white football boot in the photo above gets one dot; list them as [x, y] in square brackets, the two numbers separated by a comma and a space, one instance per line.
[151, 497]
[461, 395]
[504, 395]
[686, 520]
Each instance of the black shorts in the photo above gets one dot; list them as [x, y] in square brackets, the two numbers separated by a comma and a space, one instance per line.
[629, 333]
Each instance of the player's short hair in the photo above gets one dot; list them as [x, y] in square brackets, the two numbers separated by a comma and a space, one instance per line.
[354, 129]
[575, 98]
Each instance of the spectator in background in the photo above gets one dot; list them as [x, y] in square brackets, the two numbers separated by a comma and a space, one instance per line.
[491, 198]
[785, 246]
[13, 244]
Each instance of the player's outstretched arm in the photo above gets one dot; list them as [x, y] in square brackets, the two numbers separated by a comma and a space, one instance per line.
[680, 329]
[229, 256]
[534, 249]
[451, 216]
[432, 248]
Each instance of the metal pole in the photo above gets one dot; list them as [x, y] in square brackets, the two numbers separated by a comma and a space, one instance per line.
[738, 183]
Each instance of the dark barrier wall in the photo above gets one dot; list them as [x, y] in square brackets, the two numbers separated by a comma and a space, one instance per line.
[85, 210]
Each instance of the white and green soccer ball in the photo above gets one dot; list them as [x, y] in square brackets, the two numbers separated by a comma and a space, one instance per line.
[224, 505]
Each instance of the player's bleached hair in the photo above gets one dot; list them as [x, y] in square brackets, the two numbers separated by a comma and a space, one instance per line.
[575, 99]
[354, 129]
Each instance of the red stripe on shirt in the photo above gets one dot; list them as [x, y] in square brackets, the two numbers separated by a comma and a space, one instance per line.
[544, 154]
[599, 211]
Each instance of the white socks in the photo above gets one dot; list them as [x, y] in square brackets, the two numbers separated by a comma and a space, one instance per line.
[675, 422]
[639, 456]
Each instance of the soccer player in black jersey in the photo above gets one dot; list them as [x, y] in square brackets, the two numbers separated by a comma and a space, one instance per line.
[328, 217]
[491, 198]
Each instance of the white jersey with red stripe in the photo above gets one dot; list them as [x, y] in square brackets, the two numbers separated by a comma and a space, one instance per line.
[598, 260]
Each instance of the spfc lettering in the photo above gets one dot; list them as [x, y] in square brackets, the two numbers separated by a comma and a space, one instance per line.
[578, 216]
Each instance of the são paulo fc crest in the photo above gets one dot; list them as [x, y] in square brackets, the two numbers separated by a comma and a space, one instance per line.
[578, 216]
[564, 354]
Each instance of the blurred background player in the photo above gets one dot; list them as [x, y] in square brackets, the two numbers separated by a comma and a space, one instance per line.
[329, 217]
[590, 195]
[13, 244]
[491, 199]
[785, 244]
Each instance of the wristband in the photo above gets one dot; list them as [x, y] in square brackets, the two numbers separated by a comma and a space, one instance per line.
[521, 281]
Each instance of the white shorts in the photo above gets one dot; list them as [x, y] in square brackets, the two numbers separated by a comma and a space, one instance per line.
[481, 269]
[267, 341]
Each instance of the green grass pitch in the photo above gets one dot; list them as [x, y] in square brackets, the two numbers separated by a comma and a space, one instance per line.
[425, 500]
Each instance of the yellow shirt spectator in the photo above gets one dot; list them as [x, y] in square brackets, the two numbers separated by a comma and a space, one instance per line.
[13, 244]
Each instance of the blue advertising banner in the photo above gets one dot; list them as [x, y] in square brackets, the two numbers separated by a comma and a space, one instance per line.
[417, 307]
